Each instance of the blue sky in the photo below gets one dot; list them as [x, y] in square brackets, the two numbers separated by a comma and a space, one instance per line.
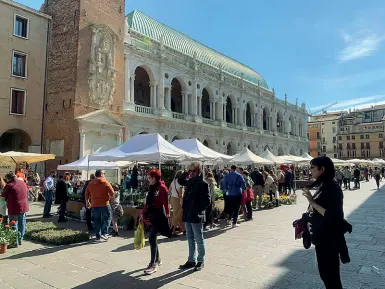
[318, 51]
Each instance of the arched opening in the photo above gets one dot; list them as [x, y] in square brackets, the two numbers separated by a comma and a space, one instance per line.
[176, 96]
[205, 143]
[230, 150]
[280, 151]
[229, 110]
[266, 119]
[15, 140]
[205, 104]
[292, 125]
[266, 148]
[292, 151]
[300, 128]
[301, 152]
[142, 95]
[175, 138]
[280, 124]
[248, 115]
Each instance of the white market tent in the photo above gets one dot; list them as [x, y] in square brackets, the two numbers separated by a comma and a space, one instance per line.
[84, 164]
[12, 157]
[247, 157]
[378, 161]
[291, 159]
[338, 162]
[194, 146]
[359, 161]
[306, 156]
[145, 148]
[268, 155]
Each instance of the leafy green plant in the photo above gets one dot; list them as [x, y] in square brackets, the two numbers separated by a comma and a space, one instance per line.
[127, 222]
[47, 232]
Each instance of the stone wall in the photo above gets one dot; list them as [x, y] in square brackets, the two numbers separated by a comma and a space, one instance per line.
[68, 69]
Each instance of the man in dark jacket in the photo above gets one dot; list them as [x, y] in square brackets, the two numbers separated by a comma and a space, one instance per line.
[288, 181]
[357, 173]
[195, 201]
[61, 198]
[259, 183]
[88, 210]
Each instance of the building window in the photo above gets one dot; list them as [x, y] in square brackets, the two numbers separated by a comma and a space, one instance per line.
[362, 145]
[380, 135]
[21, 26]
[18, 100]
[348, 146]
[334, 139]
[323, 140]
[333, 122]
[339, 137]
[335, 156]
[381, 145]
[368, 146]
[308, 136]
[348, 137]
[367, 136]
[318, 135]
[340, 146]
[348, 154]
[19, 64]
[353, 146]
[324, 149]
[334, 130]
[353, 137]
[318, 145]
[362, 136]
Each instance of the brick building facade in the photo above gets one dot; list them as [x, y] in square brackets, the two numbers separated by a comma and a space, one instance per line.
[85, 72]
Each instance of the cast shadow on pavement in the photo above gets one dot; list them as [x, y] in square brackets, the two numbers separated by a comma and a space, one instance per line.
[120, 279]
[366, 249]
[207, 235]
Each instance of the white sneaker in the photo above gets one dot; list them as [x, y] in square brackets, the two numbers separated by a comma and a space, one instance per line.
[235, 225]
[105, 237]
[228, 222]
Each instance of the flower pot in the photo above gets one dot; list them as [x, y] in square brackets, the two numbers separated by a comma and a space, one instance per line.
[3, 248]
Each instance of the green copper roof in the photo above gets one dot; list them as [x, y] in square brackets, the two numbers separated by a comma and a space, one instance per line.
[155, 30]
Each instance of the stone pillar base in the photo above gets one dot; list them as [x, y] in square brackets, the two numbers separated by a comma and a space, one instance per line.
[128, 106]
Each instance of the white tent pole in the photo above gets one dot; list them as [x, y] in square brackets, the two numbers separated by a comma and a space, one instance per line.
[88, 167]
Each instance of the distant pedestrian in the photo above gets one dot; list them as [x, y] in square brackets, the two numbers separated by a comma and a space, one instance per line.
[49, 186]
[234, 183]
[347, 178]
[61, 197]
[377, 177]
[339, 177]
[98, 194]
[258, 187]
[88, 209]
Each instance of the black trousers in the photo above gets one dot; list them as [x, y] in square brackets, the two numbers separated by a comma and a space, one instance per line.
[234, 203]
[249, 210]
[378, 182]
[209, 216]
[89, 218]
[63, 209]
[153, 240]
[328, 261]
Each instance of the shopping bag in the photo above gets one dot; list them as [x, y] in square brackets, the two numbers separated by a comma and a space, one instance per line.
[139, 240]
[83, 213]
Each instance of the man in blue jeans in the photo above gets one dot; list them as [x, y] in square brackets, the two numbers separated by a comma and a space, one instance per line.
[49, 186]
[15, 193]
[195, 201]
[99, 192]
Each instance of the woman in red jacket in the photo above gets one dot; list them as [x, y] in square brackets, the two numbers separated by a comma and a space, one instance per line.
[157, 211]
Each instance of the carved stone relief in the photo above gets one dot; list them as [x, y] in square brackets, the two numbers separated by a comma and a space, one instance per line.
[102, 73]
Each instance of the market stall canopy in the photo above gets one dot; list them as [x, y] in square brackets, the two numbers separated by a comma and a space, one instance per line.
[247, 157]
[194, 146]
[306, 156]
[85, 164]
[338, 162]
[13, 157]
[378, 161]
[359, 161]
[290, 159]
[145, 148]
[268, 155]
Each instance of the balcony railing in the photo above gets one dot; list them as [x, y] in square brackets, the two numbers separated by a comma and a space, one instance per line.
[144, 109]
[231, 125]
[208, 121]
[178, 115]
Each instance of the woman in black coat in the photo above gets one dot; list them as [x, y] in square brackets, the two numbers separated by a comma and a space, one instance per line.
[326, 221]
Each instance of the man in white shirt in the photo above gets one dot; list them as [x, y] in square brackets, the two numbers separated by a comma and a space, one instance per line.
[49, 186]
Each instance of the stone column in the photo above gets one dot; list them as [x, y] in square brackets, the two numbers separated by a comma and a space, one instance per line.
[152, 95]
[199, 106]
[132, 88]
[214, 111]
[127, 80]
[169, 98]
[82, 142]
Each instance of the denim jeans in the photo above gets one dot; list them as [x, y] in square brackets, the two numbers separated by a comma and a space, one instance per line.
[48, 202]
[21, 221]
[195, 239]
[62, 211]
[153, 240]
[97, 214]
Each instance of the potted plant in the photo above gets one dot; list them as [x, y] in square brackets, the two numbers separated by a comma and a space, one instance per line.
[3, 241]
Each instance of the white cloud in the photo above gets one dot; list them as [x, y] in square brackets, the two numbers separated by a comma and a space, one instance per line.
[359, 45]
[351, 103]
